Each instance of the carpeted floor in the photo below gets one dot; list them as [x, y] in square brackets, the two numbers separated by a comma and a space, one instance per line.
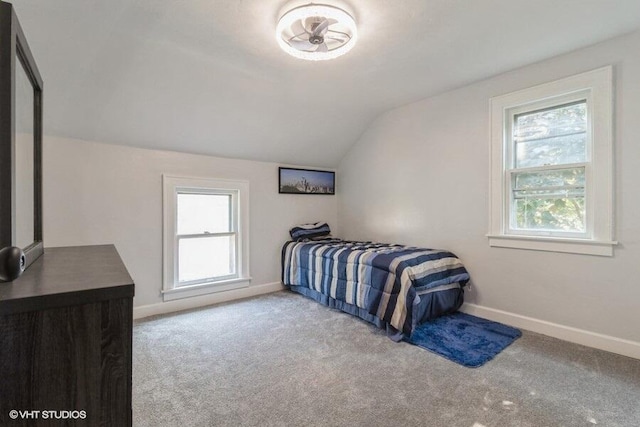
[284, 360]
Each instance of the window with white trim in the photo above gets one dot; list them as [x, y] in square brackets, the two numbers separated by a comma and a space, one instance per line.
[205, 236]
[551, 166]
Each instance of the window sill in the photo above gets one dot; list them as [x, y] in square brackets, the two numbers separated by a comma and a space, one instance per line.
[553, 244]
[205, 288]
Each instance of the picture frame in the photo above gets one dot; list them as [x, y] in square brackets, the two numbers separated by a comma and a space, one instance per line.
[306, 181]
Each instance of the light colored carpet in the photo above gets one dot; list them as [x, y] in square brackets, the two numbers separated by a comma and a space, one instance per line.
[284, 360]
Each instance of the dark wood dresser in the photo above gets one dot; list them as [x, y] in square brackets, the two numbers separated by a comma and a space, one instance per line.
[65, 340]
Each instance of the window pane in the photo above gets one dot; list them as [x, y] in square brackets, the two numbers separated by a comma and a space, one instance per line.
[200, 213]
[206, 258]
[550, 211]
[554, 136]
[561, 178]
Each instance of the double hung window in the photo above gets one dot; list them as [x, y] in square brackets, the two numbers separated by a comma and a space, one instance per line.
[547, 165]
[205, 235]
[551, 166]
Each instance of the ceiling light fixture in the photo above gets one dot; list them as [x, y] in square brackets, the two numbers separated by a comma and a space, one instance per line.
[316, 32]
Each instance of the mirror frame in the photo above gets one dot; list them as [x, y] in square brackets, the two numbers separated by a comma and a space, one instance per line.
[14, 47]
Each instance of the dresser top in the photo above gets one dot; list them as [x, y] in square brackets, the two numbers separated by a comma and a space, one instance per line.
[68, 276]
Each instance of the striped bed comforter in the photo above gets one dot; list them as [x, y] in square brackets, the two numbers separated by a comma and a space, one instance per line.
[382, 279]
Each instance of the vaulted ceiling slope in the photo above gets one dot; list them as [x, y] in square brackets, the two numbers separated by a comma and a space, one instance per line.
[207, 76]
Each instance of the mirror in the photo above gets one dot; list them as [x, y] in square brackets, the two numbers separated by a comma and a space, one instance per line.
[23, 232]
[20, 142]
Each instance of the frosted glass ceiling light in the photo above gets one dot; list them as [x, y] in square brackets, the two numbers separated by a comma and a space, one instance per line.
[316, 32]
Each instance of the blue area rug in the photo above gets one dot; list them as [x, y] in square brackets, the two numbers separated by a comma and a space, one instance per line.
[465, 339]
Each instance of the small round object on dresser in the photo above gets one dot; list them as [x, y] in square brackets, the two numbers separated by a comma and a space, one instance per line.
[12, 263]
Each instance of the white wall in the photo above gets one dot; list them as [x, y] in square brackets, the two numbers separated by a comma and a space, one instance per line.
[420, 175]
[97, 193]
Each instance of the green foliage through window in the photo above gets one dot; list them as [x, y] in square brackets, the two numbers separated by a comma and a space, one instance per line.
[550, 197]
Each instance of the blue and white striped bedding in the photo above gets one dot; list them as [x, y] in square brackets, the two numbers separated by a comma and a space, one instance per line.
[384, 280]
[310, 231]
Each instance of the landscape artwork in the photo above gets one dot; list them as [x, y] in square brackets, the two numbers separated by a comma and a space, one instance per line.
[306, 181]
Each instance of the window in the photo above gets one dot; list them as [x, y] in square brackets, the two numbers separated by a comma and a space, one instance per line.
[546, 166]
[205, 236]
[551, 162]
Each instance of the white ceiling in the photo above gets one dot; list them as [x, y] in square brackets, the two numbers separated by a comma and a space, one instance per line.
[207, 76]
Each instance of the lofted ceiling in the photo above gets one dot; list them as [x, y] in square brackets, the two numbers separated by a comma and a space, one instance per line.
[207, 76]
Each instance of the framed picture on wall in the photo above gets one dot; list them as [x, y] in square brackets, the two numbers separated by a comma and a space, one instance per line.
[306, 181]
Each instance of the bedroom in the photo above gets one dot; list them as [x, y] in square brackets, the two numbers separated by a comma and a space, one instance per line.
[135, 90]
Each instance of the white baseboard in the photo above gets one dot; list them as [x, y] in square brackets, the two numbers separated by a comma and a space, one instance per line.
[566, 333]
[204, 300]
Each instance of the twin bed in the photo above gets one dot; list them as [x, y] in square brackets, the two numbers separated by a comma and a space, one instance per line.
[394, 287]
